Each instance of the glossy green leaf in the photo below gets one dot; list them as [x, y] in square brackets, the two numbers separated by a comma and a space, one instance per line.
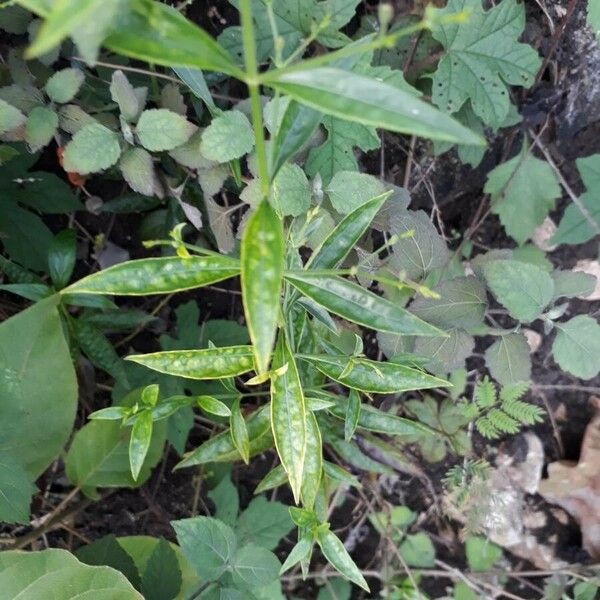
[374, 419]
[370, 376]
[262, 261]
[160, 34]
[50, 572]
[313, 462]
[139, 442]
[351, 301]
[220, 448]
[288, 415]
[157, 276]
[352, 414]
[213, 406]
[31, 291]
[61, 259]
[299, 552]
[209, 363]
[368, 101]
[36, 417]
[273, 479]
[239, 431]
[338, 557]
[207, 543]
[296, 128]
[337, 245]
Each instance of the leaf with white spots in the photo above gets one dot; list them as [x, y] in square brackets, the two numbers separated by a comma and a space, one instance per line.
[288, 415]
[262, 261]
[208, 363]
[157, 276]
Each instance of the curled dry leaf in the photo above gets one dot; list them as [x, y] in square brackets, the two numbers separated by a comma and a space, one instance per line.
[576, 486]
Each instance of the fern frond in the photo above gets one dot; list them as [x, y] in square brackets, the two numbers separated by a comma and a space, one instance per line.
[469, 411]
[503, 422]
[485, 393]
[514, 392]
[486, 428]
[525, 413]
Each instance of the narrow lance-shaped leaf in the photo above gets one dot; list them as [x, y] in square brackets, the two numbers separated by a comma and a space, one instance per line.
[336, 246]
[213, 406]
[368, 101]
[350, 301]
[208, 363]
[373, 419]
[139, 443]
[273, 479]
[352, 414]
[297, 126]
[288, 416]
[157, 276]
[262, 260]
[239, 431]
[149, 31]
[337, 555]
[370, 376]
[313, 462]
[220, 448]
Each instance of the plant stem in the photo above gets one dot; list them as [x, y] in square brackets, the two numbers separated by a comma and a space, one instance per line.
[252, 81]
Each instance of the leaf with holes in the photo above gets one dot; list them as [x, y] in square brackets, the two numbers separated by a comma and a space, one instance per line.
[482, 57]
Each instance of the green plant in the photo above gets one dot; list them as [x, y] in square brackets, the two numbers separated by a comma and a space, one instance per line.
[297, 378]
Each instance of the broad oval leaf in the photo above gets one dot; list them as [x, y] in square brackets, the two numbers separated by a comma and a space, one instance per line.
[288, 415]
[576, 347]
[370, 376]
[350, 301]
[523, 289]
[262, 263]
[207, 543]
[336, 246]
[368, 101]
[17, 489]
[36, 418]
[220, 448]
[42, 574]
[462, 303]
[338, 557]
[254, 567]
[157, 276]
[208, 363]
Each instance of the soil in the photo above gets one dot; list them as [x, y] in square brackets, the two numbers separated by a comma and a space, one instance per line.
[566, 101]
